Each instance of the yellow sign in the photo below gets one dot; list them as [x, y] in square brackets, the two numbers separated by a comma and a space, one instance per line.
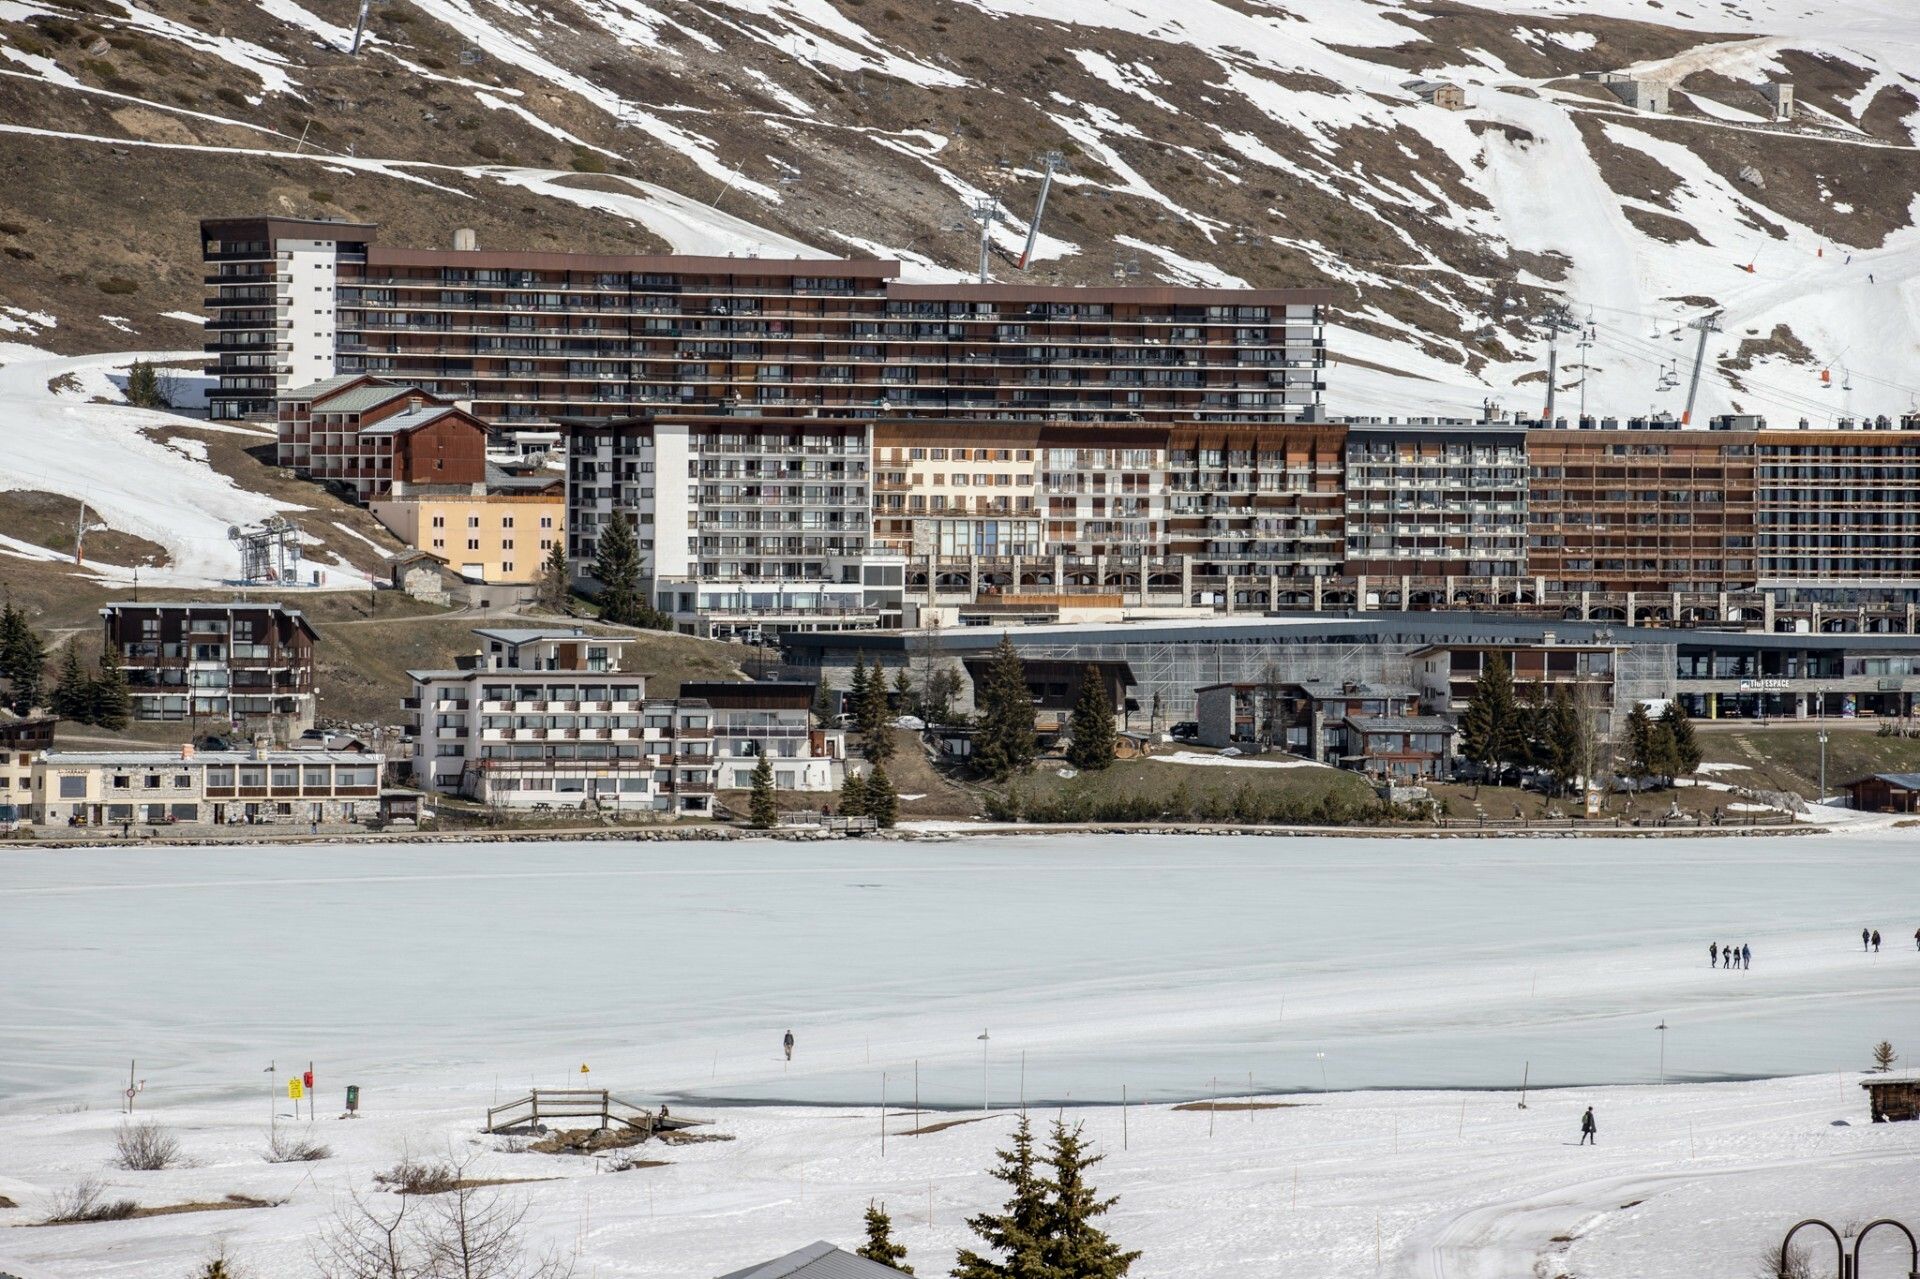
[583, 1067]
[294, 1090]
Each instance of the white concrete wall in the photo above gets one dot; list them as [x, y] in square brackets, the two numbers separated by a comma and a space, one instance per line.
[672, 512]
[310, 290]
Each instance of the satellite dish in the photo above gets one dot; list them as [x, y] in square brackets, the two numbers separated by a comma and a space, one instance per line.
[233, 532]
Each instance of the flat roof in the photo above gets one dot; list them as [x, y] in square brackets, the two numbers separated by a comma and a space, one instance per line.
[534, 634]
[158, 758]
[875, 269]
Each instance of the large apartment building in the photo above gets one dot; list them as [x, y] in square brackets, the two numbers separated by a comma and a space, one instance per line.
[250, 664]
[529, 337]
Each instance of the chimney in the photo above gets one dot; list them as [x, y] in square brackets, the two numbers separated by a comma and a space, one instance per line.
[464, 240]
[186, 750]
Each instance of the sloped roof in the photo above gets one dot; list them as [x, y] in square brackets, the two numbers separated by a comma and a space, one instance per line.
[1905, 781]
[314, 390]
[817, 1261]
[411, 420]
[360, 398]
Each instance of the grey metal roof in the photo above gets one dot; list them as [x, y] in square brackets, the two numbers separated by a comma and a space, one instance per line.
[1330, 688]
[1905, 781]
[1401, 723]
[1434, 628]
[362, 398]
[816, 1261]
[314, 390]
[533, 635]
[411, 420]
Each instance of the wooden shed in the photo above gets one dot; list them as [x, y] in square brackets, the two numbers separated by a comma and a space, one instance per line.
[1886, 793]
[1893, 1100]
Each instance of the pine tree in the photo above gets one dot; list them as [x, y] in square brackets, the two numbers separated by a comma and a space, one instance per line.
[1073, 1247]
[1017, 1232]
[1884, 1056]
[23, 659]
[72, 696]
[1563, 742]
[143, 386]
[1004, 743]
[112, 704]
[882, 801]
[1487, 728]
[556, 591]
[856, 698]
[1685, 757]
[880, 1246]
[1092, 726]
[1642, 750]
[903, 689]
[822, 703]
[853, 796]
[763, 810]
[617, 565]
[874, 716]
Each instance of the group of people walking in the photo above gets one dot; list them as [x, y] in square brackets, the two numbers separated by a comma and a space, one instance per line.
[1729, 956]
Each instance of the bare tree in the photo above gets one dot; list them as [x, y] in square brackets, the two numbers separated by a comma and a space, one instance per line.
[475, 1234]
[368, 1240]
[455, 1230]
[1271, 730]
[1884, 1056]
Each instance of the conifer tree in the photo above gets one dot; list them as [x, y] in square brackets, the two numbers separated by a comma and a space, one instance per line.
[556, 591]
[1563, 742]
[143, 386]
[1004, 744]
[853, 796]
[1092, 725]
[72, 696]
[872, 712]
[856, 697]
[112, 704]
[23, 659]
[763, 810]
[880, 1246]
[1487, 728]
[1685, 751]
[903, 689]
[822, 703]
[882, 801]
[1642, 750]
[1016, 1233]
[1073, 1246]
[617, 565]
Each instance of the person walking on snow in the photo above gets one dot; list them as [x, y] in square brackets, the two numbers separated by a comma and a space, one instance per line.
[1589, 1131]
[1916, 939]
[1746, 955]
[1876, 941]
[1866, 934]
[787, 1043]
[1726, 956]
[1713, 953]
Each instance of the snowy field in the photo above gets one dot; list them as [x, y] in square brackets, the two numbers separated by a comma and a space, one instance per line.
[441, 978]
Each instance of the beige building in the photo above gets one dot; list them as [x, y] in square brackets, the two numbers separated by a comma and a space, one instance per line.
[495, 538]
[105, 788]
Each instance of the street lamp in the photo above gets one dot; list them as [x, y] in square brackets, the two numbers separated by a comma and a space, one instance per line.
[1849, 1267]
[983, 1037]
[1662, 1028]
[1823, 766]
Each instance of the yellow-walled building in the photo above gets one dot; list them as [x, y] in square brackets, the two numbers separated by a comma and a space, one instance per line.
[500, 539]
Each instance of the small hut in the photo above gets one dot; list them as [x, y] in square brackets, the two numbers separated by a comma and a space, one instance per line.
[1893, 1100]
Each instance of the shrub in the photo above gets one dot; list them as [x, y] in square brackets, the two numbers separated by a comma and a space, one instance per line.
[291, 1146]
[87, 1202]
[485, 149]
[146, 1147]
[419, 1177]
[320, 195]
[231, 96]
[589, 162]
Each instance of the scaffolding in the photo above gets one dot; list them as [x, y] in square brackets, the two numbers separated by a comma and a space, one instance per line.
[269, 551]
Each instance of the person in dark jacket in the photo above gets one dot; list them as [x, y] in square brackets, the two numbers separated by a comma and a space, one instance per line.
[787, 1043]
[1746, 955]
[1866, 937]
[1876, 941]
[1713, 954]
[1589, 1131]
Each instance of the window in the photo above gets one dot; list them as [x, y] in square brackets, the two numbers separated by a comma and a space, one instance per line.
[506, 521]
[473, 521]
[151, 781]
[73, 788]
[473, 544]
[506, 566]
[439, 521]
[546, 521]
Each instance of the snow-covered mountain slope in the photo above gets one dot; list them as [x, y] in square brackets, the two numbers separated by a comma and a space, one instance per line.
[1265, 141]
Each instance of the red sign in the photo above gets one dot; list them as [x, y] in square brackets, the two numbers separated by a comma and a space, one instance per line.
[308, 1079]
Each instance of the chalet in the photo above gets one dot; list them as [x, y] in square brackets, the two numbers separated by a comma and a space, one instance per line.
[1441, 93]
[1886, 793]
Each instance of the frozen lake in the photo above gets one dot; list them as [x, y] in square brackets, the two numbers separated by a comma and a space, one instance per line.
[1163, 964]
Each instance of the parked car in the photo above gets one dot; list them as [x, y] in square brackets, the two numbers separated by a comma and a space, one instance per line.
[1185, 731]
